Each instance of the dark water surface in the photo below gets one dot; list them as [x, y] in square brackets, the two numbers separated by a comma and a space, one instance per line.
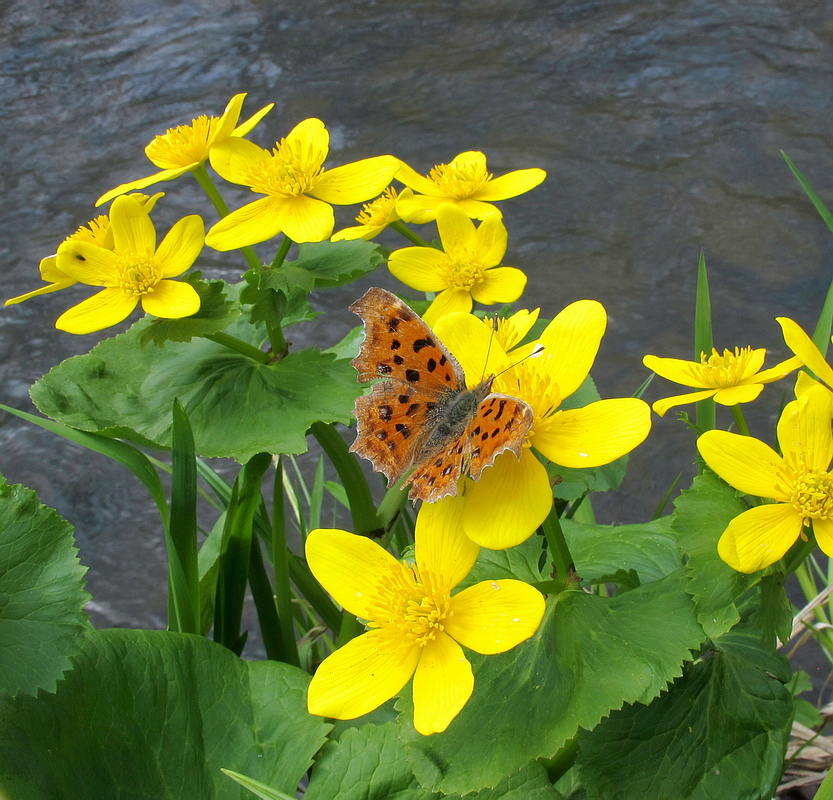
[659, 123]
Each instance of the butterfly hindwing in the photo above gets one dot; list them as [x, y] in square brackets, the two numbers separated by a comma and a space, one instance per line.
[501, 423]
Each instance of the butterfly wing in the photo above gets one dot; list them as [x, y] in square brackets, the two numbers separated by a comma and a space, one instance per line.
[501, 423]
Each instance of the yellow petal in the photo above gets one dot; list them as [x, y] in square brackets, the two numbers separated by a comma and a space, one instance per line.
[779, 370]
[451, 301]
[687, 373]
[313, 139]
[350, 567]
[661, 407]
[760, 536]
[362, 675]
[508, 503]
[743, 462]
[180, 248]
[52, 287]
[229, 118]
[477, 209]
[356, 182]
[500, 285]
[733, 395]
[305, 219]
[571, 342]
[804, 432]
[421, 268]
[471, 343]
[443, 683]
[491, 239]
[142, 183]
[510, 185]
[244, 127]
[457, 231]
[102, 310]
[253, 223]
[494, 616]
[442, 547]
[86, 262]
[171, 300]
[823, 529]
[234, 159]
[366, 232]
[802, 345]
[418, 183]
[594, 435]
[420, 208]
[133, 232]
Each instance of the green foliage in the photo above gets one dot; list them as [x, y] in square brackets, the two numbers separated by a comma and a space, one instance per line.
[157, 714]
[42, 593]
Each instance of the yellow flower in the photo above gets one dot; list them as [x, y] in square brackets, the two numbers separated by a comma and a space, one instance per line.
[513, 496]
[97, 231]
[416, 625]
[184, 148]
[298, 189]
[465, 270]
[374, 217]
[799, 482]
[466, 183]
[805, 349]
[731, 378]
[133, 270]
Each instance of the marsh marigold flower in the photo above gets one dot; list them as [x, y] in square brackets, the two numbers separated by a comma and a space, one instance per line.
[466, 269]
[416, 624]
[97, 231]
[514, 496]
[799, 481]
[374, 217]
[299, 191]
[805, 350]
[731, 378]
[133, 270]
[184, 148]
[466, 183]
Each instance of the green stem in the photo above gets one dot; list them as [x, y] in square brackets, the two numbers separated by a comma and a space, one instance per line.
[280, 563]
[239, 346]
[797, 554]
[280, 256]
[703, 341]
[277, 342]
[204, 180]
[350, 628]
[400, 227]
[739, 420]
[561, 558]
[808, 587]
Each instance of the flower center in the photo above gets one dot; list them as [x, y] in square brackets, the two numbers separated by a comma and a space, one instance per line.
[94, 231]
[136, 274]
[290, 172]
[460, 179]
[812, 495]
[183, 145]
[378, 212]
[725, 370]
[462, 272]
[412, 603]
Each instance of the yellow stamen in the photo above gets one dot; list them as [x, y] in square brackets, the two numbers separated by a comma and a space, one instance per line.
[135, 275]
[812, 495]
[290, 172]
[723, 371]
[460, 179]
[379, 211]
[462, 272]
[185, 144]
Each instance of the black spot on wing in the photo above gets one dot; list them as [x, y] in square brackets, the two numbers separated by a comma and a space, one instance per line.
[412, 375]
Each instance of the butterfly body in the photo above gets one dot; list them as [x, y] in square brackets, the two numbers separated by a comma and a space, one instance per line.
[421, 415]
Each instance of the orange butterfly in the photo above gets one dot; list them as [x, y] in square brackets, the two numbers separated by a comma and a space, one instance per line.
[421, 416]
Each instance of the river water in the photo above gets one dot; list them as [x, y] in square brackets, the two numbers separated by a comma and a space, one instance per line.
[659, 124]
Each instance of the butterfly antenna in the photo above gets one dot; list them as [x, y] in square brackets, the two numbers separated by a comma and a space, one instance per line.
[534, 354]
[489, 348]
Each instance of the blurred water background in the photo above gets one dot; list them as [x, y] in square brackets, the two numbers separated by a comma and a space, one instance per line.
[659, 123]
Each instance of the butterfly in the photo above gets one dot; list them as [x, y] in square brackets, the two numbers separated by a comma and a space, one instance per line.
[421, 416]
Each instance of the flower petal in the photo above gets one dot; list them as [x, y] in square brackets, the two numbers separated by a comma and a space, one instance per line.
[687, 373]
[253, 223]
[593, 435]
[229, 118]
[510, 185]
[313, 139]
[86, 262]
[743, 462]
[305, 219]
[500, 285]
[494, 616]
[142, 183]
[802, 345]
[356, 182]
[133, 232]
[491, 239]
[362, 675]
[350, 567]
[418, 183]
[760, 536]
[661, 407]
[457, 231]
[234, 159]
[442, 547]
[451, 301]
[180, 248]
[471, 343]
[477, 209]
[107, 307]
[366, 232]
[421, 268]
[171, 300]
[779, 370]
[744, 393]
[823, 529]
[571, 342]
[443, 683]
[804, 431]
[244, 127]
[511, 499]
[48, 289]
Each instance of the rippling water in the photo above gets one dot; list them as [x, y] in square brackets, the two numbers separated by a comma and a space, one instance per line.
[659, 123]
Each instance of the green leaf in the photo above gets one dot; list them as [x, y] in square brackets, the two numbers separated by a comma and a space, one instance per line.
[570, 484]
[590, 655]
[236, 407]
[703, 341]
[216, 312]
[156, 714]
[257, 788]
[520, 562]
[700, 517]
[774, 615]
[42, 593]
[720, 731]
[337, 263]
